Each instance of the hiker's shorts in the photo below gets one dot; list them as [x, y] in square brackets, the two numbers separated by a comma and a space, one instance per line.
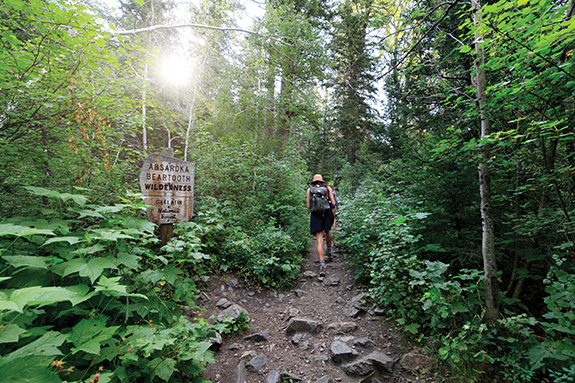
[321, 221]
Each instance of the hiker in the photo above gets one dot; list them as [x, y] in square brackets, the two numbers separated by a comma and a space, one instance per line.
[319, 199]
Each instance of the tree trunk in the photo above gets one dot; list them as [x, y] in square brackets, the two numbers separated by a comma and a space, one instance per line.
[144, 106]
[488, 242]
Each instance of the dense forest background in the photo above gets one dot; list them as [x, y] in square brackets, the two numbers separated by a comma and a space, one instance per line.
[446, 127]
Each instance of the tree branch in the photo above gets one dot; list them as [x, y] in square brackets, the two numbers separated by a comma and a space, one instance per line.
[187, 25]
[394, 67]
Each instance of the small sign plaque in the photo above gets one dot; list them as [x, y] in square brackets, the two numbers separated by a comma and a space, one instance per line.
[168, 185]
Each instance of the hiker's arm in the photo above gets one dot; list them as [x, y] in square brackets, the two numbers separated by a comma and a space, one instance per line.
[307, 198]
[329, 192]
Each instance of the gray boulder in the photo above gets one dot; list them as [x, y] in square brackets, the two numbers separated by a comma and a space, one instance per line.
[256, 363]
[342, 327]
[233, 312]
[341, 352]
[296, 325]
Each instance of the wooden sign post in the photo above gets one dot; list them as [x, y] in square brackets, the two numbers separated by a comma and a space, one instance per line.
[167, 185]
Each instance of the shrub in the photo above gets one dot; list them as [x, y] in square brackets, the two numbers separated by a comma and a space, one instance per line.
[78, 298]
[443, 307]
[270, 257]
[254, 208]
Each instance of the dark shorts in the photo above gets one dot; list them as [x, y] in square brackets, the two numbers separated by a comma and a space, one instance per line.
[321, 221]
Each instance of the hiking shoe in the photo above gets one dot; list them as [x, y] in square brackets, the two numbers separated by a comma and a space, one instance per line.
[328, 257]
[322, 272]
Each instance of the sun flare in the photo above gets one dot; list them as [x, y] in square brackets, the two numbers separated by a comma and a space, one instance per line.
[176, 70]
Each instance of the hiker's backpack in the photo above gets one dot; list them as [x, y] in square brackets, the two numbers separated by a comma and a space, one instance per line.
[319, 201]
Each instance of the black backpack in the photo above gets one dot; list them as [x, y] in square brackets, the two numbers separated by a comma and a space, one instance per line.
[319, 201]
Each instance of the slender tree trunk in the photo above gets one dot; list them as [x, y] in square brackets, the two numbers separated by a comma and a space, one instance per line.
[488, 242]
[195, 90]
[47, 170]
[144, 95]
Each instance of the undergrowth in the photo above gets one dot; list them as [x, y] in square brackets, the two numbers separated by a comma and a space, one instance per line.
[383, 235]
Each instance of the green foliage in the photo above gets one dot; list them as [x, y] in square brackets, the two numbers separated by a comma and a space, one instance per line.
[269, 257]
[378, 231]
[231, 326]
[442, 306]
[258, 220]
[353, 86]
[78, 298]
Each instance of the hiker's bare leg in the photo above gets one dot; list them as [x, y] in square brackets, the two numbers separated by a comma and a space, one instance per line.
[319, 240]
[328, 238]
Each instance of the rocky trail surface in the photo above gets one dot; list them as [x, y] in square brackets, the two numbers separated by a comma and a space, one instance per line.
[319, 331]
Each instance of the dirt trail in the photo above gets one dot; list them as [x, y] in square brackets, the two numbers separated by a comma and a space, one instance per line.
[308, 355]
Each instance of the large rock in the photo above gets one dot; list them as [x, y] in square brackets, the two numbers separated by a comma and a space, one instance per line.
[233, 312]
[364, 342]
[361, 367]
[296, 325]
[291, 313]
[342, 327]
[356, 300]
[355, 306]
[273, 377]
[240, 372]
[257, 363]
[223, 304]
[352, 312]
[368, 364]
[257, 337]
[341, 352]
[299, 293]
[381, 361]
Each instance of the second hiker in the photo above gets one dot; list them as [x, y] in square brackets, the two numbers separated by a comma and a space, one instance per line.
[319, 199]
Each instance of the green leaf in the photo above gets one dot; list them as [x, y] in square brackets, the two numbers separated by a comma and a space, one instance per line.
[89, 213]
[27, 261]
[110, 235]
[41, 296]
[70, 240]
[163, 368]
[11, 333]
[412, 328]
[465, 49]
[77, 198]
[171, 273]
[46, 346]
[458, 307]
[89, 334]
[29, 369]
[22, 231]
[112, 286]
[6, 305]
[131, 261]
[399, 220]
[91, 268]
[89, 250]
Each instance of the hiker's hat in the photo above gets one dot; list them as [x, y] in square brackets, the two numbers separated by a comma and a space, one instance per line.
[317, 178]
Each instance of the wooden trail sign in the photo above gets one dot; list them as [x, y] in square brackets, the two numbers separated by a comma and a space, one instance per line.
[167, 184]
